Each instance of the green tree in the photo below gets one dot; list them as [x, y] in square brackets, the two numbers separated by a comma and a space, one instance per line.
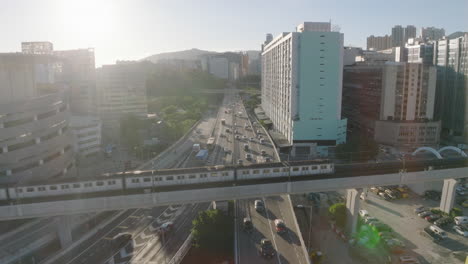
[337, 212]
[129, 126]
[212, 230]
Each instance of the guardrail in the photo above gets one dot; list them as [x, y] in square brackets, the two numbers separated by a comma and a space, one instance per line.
[183, 250]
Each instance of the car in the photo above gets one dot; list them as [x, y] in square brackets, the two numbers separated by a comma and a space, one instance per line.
[429, 233]
[240, 162]
[259, 132]
[266, 248]
[247, 224]
[237, 137]
[432, 217]
[121, 240]
[420, 209]
[251, 139]
[460, 220]
[363, 213]
[424, 214]
[244, 137]
[267, 159]
[248, 156]
[166, 228]
[384, 196]
[443, 221]
[439, 231]
[246, 147]
[227, 130]
[374, 190]
[370, 219]
[461, 230]
[259, 206]
[460, 190]
[263, 152]
[262, 141]
[280, 226]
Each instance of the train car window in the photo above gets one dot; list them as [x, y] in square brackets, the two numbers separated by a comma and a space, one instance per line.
[323, 166]
[169, 178]
[192, 176]
[88, 184]
[245, 172]
[146, 179]
[256, 171]
[285, 169]
[276, 170]
[305, 168]
[99, 183]
[53, 188]
[295, 169]
[214, 174]
[76, 185]
[30, 189]
[41, 189]
[135, 180]
[180, 177]
[110, 182]
[19, 190]
[225, 174]
[65, 186]
[266, 171]
[314, 167]
[203, 175]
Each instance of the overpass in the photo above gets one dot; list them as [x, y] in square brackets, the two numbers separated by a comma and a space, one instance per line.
[238, 190]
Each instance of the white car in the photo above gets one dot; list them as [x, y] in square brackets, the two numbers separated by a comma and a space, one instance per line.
[461, 220]
[460, 230]
[363, 213]
[370, 219]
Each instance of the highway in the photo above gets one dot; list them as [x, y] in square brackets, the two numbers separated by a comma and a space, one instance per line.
[288, 247]
[147, 246]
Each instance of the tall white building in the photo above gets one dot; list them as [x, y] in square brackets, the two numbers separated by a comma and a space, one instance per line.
[301, 88]
[86, 131]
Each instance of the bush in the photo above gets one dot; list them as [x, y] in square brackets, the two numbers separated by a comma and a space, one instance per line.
[337, 212]
[213, 231]
[456, 212]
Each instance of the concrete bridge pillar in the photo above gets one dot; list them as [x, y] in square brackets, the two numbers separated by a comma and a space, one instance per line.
[64, 230]
[447, 198]
[352, 204]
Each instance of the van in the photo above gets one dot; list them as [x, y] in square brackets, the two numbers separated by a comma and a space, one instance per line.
[439, 231]
[460, 220]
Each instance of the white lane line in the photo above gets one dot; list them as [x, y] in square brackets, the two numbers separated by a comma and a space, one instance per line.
[289, 235]
[271, 230]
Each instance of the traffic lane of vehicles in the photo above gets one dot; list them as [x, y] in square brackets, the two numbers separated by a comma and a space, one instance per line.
[402, 217]
[249, 243]
[288, 243]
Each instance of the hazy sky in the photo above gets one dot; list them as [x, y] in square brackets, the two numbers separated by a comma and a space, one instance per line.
[133, 29]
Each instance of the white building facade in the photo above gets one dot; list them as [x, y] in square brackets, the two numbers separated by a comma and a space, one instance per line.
[86, 132]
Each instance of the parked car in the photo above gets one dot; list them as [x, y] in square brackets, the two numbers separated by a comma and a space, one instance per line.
[460, 190]
[240, 162]
[266, 248]
[420, 209]
[424, 214]
[439, 231]
[432, 218]
[460, 230]
[408, 260]
[460, 220]
[429, 233]
[443, 221]
[363, 213]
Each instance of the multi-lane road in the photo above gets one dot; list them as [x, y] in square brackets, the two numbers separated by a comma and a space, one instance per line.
[287, 245]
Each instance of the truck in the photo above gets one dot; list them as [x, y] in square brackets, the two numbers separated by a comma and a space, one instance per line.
[210, 143]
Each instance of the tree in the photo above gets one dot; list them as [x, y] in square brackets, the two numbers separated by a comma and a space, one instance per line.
[357, 149]
[337, 213]
[213, 231]
[129, 127]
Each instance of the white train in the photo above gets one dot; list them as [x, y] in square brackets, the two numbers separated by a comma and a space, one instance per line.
[145, 180]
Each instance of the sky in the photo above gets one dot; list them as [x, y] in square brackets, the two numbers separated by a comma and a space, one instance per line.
[134, 29]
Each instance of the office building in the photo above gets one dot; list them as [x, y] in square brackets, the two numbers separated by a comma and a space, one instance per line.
[301, 89]
[432, 33]
[451, 59]
[420, 52]
[37, 48]
[398, 36]
[379, 42]
[121, 90]
[79, 73]
[35, 141]
[410, 32]
[86, 132]
[392, 102]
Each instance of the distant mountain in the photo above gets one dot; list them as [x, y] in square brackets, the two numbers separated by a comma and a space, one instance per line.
[456, 34]
[191, 54]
